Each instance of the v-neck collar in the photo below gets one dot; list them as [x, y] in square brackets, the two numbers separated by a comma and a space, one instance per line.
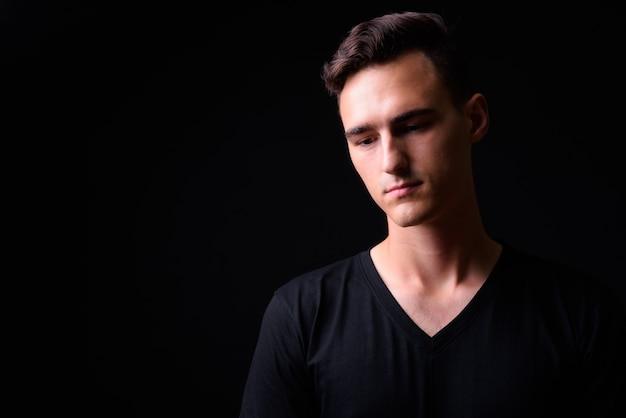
[430, 344]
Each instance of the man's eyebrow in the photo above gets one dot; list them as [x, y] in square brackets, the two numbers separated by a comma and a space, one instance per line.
[357, 130]
[412, 113]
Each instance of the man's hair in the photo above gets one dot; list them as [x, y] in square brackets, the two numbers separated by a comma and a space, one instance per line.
[386, 38]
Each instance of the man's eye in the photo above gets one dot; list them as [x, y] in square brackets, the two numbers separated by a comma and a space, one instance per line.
[366, 141]
[415, 127]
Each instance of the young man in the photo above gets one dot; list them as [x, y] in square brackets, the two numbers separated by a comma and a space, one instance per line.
[438, 319]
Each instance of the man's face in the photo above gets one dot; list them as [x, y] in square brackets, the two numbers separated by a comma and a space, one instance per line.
[407, 141]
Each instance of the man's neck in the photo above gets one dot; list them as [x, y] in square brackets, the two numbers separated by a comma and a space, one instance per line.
[433, 257]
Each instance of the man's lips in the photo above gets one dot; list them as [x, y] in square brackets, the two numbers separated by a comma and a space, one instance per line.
[402, 189]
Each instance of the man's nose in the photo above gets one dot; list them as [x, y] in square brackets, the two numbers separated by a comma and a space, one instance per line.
[394, 155]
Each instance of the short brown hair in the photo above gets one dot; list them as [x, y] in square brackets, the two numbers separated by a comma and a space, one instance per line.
[385, 38]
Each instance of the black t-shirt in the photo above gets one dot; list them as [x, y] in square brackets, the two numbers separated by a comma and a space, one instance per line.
[537, 339]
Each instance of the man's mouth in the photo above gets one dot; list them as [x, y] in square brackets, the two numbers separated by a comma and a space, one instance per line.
[403, 189]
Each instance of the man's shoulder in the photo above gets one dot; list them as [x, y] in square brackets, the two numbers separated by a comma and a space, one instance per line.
[323, 279]
[547, 276]
[536, 266]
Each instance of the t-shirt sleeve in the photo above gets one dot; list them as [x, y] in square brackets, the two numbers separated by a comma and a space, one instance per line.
[277, 384]
[603, 351]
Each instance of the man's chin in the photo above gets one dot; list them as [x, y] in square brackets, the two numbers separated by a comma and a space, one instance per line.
[407, 220]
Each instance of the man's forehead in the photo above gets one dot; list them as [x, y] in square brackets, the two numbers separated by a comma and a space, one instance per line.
[384, 92]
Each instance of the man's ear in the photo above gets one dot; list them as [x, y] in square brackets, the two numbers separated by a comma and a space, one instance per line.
[477, 112]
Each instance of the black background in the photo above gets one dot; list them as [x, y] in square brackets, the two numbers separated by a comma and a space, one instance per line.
[216, 168]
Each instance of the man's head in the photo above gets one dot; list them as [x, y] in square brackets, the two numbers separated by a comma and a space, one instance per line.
[408, 118]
